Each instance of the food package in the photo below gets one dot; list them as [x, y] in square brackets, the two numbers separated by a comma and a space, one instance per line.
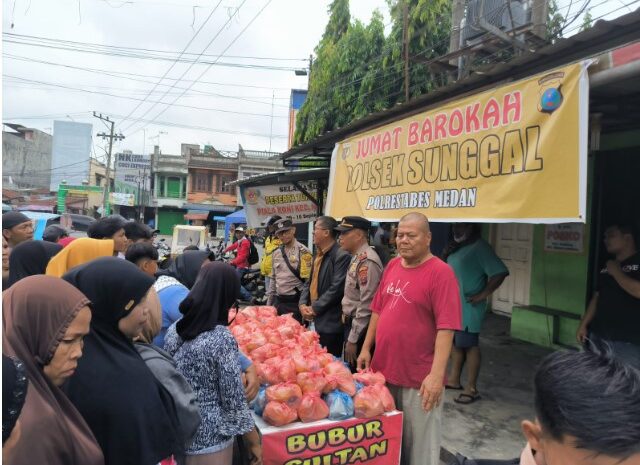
[368, 377]
[260, 401]
[267, 373]
[311, 382]
[264, 352]
[290, 393]
[340, 405]
[367, 404]
[279, 414]
[339, 377]
[312, 408]
[382, 392]
[287, 370]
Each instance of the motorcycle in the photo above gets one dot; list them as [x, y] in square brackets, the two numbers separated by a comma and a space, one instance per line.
[164, 253]
[252, 280]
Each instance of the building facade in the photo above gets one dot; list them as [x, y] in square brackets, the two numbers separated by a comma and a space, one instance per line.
[169, 189]
[254, 162]
[26, 157]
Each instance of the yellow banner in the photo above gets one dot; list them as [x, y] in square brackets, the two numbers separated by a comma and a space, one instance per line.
[516, 153]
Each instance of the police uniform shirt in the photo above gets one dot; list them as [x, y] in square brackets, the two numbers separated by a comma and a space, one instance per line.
[361, 284]
[283, 281]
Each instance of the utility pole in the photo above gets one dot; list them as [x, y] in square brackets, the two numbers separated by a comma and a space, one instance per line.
[405, 44]
[273, 98]
[110, 136]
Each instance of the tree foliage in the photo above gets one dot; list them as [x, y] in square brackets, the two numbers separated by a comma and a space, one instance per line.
[555, 21]
[587, 21]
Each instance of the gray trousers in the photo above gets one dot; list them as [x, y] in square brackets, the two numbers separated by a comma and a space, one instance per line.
[421, 431]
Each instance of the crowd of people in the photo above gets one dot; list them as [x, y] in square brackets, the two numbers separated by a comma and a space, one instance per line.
[109, 360]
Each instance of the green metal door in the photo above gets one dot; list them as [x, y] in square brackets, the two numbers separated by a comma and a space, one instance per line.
[168, 219]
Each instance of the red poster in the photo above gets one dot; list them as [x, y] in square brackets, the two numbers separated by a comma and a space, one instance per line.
[373, 441]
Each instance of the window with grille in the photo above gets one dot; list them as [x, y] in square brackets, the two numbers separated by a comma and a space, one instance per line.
[223, 184]
[201, 182]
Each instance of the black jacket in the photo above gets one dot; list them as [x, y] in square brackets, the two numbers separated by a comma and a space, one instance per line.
[328, 308]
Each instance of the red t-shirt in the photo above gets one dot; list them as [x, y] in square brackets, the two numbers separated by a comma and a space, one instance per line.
[413, 303]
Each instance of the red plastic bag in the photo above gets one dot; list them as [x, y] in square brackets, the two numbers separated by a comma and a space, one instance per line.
[325, 358]
[339, 377]
[279, 414]
[308, 338]
[368, 378]
[256, 340]
[367, 404]
[264, 352]
[287, 370]
[382, 392]
[266, 312]
[312, 408]
[267, 373]
[289, 393]
[311, 382]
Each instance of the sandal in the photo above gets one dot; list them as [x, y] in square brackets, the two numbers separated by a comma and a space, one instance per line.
[466, 399]
[454, 388]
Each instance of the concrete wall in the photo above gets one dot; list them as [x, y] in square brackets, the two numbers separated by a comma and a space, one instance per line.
[26, 157]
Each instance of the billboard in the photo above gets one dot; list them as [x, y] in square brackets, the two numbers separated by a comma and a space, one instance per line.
[295, 103]
[279, 199]
[132, 179]
[70, 153]
[514, 153]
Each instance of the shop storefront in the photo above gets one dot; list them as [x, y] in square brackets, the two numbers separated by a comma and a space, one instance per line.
[544, 152]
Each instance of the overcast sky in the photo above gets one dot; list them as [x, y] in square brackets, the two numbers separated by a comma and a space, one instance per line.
[286, 29]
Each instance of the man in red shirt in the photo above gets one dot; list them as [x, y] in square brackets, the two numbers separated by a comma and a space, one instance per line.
[242, 246]
[416, 310]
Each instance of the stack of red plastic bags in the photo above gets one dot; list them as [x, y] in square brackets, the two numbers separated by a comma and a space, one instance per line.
[300, 379]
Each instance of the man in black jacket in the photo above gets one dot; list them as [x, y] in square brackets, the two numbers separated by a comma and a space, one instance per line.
[322, 294]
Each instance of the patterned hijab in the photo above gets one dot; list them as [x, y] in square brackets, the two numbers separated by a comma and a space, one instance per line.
[37, 311]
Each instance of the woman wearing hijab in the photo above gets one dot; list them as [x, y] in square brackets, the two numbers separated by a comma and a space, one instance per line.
[78, 252]
[130, 413]
[173, 286]
[207, 355]
[29, 258]
[45, 320]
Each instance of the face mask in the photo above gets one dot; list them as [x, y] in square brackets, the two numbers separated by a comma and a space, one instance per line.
[460, 239]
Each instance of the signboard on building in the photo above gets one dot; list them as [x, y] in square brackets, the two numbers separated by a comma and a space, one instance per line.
[70, 153]
[566, 237]
[516, 153]
[296, 100]
[119, 198]
[133, 174]
[279, 199]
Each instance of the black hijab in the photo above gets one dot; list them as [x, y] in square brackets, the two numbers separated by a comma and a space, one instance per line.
[30, 258]
[186, 266]
[130, 413]
[207, 305]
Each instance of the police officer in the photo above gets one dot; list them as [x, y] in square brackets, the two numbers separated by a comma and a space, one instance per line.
[291, 267]
[271, 243]
[363, 278]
